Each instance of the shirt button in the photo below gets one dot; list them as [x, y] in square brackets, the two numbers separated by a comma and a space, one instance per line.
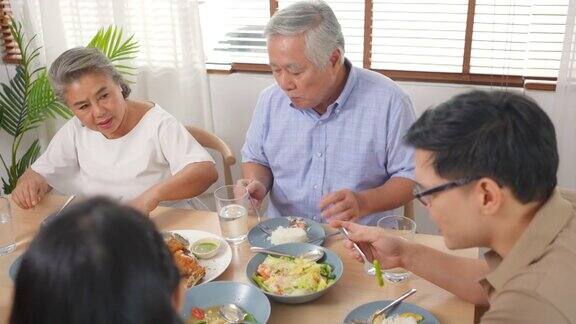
[315, 186]
[319, 154]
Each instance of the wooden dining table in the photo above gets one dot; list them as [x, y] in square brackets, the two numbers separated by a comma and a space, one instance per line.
[354, 288]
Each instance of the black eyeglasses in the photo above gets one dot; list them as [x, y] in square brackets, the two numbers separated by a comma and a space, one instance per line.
[423, 196]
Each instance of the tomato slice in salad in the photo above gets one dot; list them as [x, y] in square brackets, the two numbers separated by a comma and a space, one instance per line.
[198, 313]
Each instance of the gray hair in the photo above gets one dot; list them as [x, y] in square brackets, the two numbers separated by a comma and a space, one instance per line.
[75, 63]
[314, 19]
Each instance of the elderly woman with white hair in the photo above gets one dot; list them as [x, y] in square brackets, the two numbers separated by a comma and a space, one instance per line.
[127, 149]
[326, 140]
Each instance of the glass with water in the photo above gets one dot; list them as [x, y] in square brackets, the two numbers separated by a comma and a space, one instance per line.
[7, 241]
[402, 227]
[232, 202]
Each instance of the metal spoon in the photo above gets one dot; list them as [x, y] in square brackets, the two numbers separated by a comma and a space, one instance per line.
[51, 217]
[232, 313]
[264, 229]
[312, 255]
[368, 267]
[388, 307]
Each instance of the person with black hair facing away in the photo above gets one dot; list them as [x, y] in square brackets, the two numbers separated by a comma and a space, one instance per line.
[97, 262]
[486, 166]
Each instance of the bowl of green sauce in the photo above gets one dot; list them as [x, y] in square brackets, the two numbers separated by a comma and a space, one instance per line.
[205, 248]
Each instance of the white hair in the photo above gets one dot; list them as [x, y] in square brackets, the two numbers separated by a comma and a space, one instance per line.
[317, 22]
[76, 62]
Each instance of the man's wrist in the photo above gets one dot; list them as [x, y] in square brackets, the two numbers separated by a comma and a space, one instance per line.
[364, 205]
[407, 252]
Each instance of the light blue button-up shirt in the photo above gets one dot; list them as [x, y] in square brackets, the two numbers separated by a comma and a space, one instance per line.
[356, 144]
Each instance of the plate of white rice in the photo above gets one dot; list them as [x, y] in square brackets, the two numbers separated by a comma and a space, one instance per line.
[281, 232]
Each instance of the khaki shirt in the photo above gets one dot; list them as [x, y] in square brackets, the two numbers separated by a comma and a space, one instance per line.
[536, 282]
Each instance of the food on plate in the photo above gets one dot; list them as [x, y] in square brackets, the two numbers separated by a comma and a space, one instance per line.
[210, 315]
[293, 276]
[298, 222]
[404, 318]
[190, 270]
[283, 235]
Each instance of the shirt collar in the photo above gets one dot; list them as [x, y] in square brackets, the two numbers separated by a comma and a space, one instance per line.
[549, 220]
[350, 84]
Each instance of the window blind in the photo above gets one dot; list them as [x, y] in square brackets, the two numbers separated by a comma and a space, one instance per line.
[419, 35]
[518, 37]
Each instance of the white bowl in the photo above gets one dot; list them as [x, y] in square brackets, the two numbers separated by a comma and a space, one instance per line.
[203, 253]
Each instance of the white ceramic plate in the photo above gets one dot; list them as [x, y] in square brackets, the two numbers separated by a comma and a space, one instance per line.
[214, 266]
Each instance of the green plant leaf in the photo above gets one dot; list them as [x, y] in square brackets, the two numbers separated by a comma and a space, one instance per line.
[18, 169]
[42, 102]
[13, 103]
[110, 41]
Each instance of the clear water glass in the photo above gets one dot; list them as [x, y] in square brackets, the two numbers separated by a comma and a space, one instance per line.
[404, 228]
[232, 204]
[7, 239]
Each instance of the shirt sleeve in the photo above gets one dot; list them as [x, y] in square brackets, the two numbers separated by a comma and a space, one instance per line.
[400, 157]
[253, 149]
[179, 147]
[516, 307]
[60, 160]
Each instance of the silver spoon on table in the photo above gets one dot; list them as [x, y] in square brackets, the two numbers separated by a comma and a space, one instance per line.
[312, 255]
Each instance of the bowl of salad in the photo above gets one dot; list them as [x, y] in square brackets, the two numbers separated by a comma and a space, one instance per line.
[294, 280]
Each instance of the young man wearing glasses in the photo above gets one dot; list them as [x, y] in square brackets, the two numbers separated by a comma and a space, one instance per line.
[486, 166]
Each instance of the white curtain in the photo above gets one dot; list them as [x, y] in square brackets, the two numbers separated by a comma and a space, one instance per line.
[564, 109]
[170, 62]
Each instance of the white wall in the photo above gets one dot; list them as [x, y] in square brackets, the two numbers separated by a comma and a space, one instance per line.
[234, 97]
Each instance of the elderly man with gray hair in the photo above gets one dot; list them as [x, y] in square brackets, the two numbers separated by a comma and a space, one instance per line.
[325, 140]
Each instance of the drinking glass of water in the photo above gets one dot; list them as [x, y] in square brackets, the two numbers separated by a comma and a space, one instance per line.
[232, 202]
[402, 227]
[7, 241]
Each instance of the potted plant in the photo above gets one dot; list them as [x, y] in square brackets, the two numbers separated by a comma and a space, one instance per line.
[27, 99]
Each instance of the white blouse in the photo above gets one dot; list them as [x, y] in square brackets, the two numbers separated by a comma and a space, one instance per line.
[82, 161]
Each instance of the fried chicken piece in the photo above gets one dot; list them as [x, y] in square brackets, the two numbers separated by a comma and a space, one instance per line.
[176, 243]
[189, 268]
[187, 264]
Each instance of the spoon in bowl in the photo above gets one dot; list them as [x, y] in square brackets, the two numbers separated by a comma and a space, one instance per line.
[232, 313]
[312, 255]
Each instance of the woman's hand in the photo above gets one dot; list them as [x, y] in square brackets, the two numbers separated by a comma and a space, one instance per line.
[30, 189]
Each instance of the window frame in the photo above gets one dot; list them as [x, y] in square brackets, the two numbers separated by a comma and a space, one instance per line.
[464, 77]
[11, 52]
